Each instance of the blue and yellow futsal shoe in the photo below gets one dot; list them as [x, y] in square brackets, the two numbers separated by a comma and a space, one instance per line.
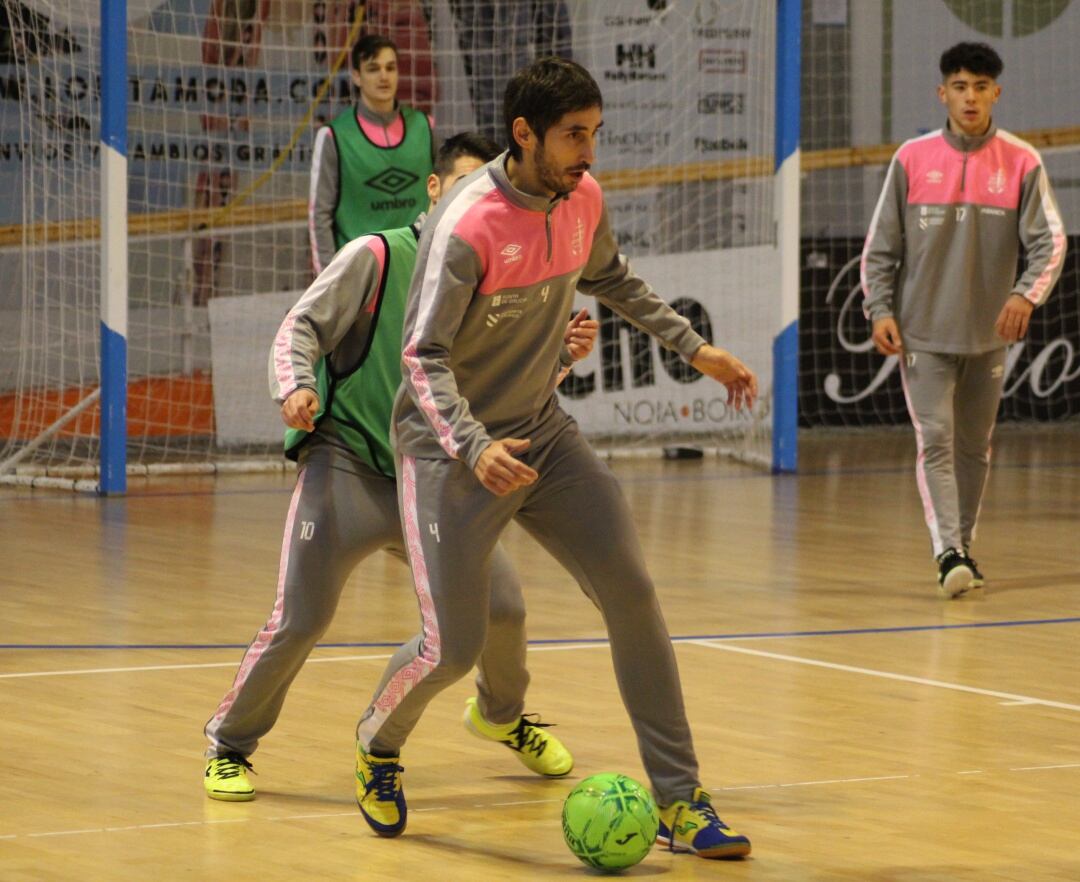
[692, 826]
[379, 793]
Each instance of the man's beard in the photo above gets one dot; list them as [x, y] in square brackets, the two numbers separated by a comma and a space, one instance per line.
[549, 175]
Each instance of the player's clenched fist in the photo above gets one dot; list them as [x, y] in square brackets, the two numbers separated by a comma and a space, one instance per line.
[499, 471]
[299, 409]
[886, 336]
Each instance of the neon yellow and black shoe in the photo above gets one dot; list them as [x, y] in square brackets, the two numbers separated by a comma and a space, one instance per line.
[538, 750]
[379, 793]
[692, 826]
[226, 778]
[977, 579]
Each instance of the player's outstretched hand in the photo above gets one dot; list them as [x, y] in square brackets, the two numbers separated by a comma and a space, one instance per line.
[499, 471]
[299, 409]
[1012, 321]
[725, 368]
[580, 336]
[886, 336]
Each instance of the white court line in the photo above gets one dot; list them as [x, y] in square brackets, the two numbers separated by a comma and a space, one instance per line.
[441, 808]
[1040, 768]
[1008, 697]
[562, 647]
[142, 668]
[847, 780]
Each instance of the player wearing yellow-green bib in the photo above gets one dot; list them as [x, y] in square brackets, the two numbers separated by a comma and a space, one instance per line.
[379, 187]
[370, 164]
[356, 388]
[335, 369]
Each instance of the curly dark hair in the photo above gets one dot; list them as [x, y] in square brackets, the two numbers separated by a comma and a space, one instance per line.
[979, 58]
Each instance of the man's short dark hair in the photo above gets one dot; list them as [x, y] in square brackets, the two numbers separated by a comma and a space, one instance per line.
[543, 93]
[979, 58]
[464, 144]
[368, 46]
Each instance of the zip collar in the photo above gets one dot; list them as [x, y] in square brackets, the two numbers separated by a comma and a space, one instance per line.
[968, 143]
[379, 119]
[497, 170]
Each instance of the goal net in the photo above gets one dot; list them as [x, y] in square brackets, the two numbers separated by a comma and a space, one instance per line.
[870, 75]
[223, 100]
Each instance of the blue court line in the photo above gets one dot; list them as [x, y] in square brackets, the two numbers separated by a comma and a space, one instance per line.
[556, 641]
[750, 474]
[747, 474]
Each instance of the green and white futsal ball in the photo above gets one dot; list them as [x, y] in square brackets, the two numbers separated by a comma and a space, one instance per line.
[609, 821]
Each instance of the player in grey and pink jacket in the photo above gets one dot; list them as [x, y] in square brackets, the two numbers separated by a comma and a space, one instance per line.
[481, 440]
[939, 276]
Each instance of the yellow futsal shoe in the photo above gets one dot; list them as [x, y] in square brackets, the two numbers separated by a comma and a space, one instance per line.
[693, 826]
[539, 751]
[379, 793]
[226, 778]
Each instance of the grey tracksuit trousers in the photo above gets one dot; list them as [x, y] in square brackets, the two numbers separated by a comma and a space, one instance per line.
[577, 512]
[342, 512]
[953, 402]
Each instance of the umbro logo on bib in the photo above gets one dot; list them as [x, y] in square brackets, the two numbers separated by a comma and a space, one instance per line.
[511, 253]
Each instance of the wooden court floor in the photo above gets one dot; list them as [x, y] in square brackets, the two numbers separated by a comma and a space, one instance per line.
[852, 724]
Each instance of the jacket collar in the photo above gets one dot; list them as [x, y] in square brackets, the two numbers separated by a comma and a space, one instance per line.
[497, 170]
[379, 119]
[968, 143]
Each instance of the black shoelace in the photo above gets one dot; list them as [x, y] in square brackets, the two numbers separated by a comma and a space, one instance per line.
[384, 781]
[528, 737]
[229, 765]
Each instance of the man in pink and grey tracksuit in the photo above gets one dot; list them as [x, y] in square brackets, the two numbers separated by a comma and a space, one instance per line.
[939, 276]
[481, 440]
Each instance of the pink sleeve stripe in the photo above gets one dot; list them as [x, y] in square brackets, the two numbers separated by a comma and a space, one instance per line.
[316, 162]
[461, 205]
[885, 188]
[422, 384]
[1040, 289]
[283, 340]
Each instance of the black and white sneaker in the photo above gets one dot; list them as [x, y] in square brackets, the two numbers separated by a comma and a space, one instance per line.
[977, 580]
[955, 573]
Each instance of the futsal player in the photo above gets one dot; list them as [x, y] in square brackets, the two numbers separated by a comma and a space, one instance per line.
[941, 286]
[481, 440]
[334, 369]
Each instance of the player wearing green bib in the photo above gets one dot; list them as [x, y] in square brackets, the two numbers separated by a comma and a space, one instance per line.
[370, 164]
[335, 369]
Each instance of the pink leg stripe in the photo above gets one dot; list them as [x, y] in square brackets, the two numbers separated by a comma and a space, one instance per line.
[407, 677]
[262, 640]
[920, 468]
